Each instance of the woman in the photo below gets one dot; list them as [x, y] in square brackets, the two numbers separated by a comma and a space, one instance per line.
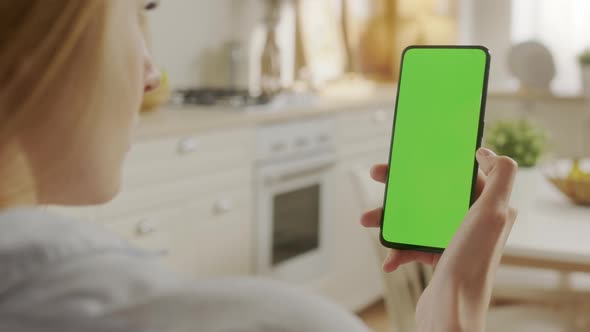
[72, 76]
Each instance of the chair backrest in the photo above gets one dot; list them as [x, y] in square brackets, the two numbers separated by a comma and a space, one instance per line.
[403, 287]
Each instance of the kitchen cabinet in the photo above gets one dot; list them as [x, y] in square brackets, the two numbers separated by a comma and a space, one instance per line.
[363, 141]
[189, 192]
[208, 237]
[189, 198]
[355, 279]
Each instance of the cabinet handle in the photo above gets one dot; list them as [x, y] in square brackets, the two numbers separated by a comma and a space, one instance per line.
[324, 138]
[278, 147]
[223, 206]
[301, 142]
[146, 226]
[187, 145]
[163, 252]
[380, 116]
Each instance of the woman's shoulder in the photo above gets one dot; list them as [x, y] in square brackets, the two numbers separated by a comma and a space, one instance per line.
[35, 225]
[63, 264]
[32, 236]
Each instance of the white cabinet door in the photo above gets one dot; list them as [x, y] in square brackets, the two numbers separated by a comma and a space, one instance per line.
[190, 199]
[364, 131]
[176, 157]
[355, 279]
[212, 236]
[136, 200]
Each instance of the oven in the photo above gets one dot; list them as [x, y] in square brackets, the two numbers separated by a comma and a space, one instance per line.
[294, 200]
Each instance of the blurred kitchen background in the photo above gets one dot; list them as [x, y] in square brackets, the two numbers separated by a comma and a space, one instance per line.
[253, 156]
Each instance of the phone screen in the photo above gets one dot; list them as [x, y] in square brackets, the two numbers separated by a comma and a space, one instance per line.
[437, 131]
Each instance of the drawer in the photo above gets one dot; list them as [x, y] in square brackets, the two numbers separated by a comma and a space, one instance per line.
[366, 145]
[182, 188]
[362, 125]
[162, 160]
[208, 237]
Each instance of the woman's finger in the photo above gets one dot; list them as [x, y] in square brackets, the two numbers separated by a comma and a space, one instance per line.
[372, 218]
[500, 173]
[379, 173]
[481, 183]
[484, 158]
[397, 258]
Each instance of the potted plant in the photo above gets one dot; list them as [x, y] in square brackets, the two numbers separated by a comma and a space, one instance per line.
[584, 60]
[524, 143]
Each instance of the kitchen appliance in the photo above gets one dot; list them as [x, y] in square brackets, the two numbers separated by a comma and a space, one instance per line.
[270, 59]
[236, 63]
[294, 181]
[218, 97]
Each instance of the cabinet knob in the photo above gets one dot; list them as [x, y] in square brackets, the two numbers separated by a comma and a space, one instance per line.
[163, 252]
[278, 147]
[146, 226]
[323, 138]
[223, 206]
[187, 145]
[301, 142]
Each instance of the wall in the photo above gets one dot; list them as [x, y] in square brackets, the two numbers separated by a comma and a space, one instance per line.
[187, 33]
[488, 23]
[188, 37]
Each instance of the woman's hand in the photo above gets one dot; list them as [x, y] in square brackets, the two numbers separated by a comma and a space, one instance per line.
[458, 296]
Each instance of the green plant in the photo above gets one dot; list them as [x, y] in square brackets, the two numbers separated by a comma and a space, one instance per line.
[519, 140]
[584, 58]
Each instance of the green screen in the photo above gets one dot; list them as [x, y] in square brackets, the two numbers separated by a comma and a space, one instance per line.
[435, 139]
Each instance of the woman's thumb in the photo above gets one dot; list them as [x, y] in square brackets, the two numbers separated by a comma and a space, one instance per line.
[486, 159]
[500, 171]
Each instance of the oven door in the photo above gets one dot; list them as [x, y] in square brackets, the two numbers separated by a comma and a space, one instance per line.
[293, 207]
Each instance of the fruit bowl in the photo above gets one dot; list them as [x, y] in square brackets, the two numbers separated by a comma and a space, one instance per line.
[572, 178]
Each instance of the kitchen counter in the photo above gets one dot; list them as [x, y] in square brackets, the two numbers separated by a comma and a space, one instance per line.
[569, 133]
[191, 119]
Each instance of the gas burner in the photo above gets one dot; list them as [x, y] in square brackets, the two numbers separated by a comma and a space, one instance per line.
[218, 97]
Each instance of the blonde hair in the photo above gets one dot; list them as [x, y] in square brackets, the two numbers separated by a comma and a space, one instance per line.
[38, 38]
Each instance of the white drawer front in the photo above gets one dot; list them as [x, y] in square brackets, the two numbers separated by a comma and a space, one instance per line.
[164, 160]
[182, 188]
[365, 124]
[379, 145]
[208, 237]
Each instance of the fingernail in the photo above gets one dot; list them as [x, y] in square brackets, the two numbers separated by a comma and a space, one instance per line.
[387, 259]
[385, 267]
[483, 152]
[363, 219]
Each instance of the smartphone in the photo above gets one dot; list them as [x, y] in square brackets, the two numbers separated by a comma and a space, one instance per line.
[437, 129]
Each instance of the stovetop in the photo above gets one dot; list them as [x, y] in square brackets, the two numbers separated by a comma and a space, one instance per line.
[218, 97]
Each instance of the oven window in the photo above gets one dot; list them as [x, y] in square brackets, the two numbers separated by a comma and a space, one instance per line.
[296, 223]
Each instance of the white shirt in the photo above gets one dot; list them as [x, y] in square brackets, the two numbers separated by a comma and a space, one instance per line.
[61, 275]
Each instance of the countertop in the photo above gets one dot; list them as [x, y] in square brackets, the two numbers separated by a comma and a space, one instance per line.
[178, 120]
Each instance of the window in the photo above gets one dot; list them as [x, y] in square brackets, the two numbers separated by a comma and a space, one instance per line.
[561, 25]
